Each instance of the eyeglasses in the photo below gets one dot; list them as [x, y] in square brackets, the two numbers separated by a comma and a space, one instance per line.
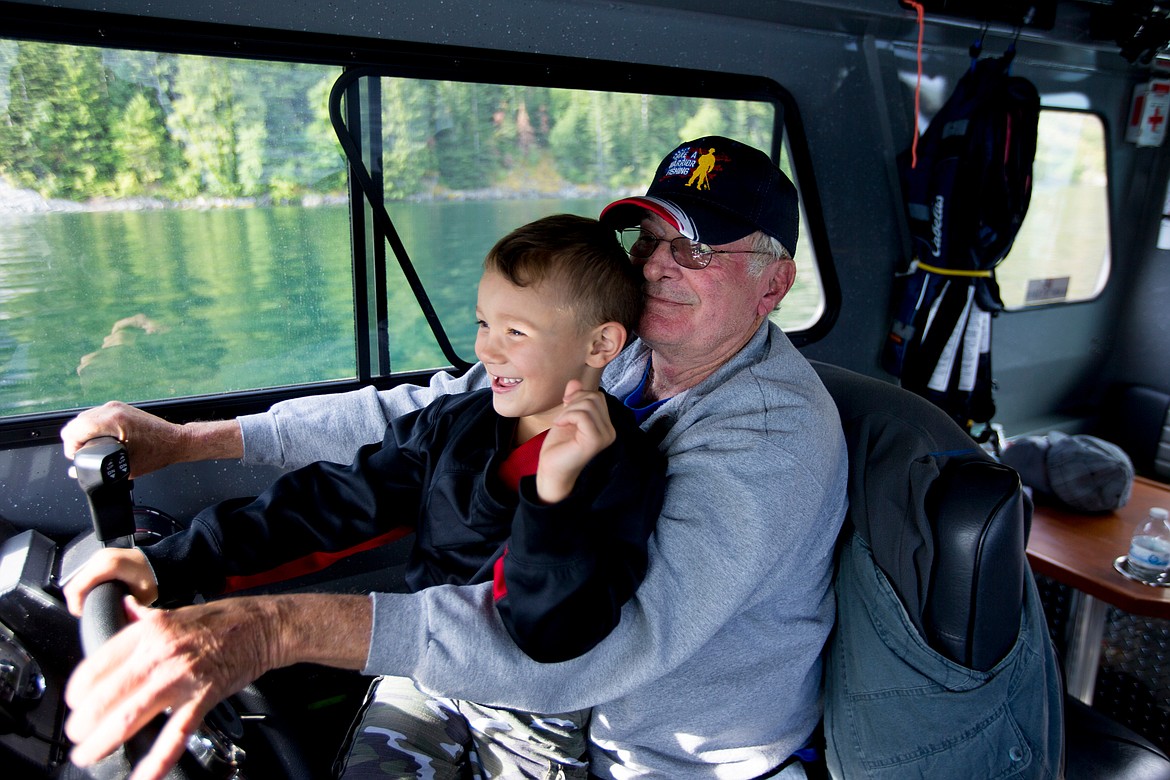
[640, 244]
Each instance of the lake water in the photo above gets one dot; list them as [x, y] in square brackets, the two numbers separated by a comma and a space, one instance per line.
[151, 304]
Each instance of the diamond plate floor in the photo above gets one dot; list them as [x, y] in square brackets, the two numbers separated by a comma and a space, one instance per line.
[1133, 681]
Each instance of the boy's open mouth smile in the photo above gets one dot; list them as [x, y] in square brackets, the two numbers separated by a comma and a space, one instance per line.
[505, 382]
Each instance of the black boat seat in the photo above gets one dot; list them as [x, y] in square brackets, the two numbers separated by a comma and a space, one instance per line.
[947, 527]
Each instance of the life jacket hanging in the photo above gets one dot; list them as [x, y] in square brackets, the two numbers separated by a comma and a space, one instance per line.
[965, 197]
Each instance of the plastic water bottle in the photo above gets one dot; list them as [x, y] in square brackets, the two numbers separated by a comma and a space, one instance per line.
[1149, 552]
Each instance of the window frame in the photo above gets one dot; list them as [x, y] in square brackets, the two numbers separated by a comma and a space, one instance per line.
[412, 60]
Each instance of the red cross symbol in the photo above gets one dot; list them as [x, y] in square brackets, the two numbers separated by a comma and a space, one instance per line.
[1155, 119]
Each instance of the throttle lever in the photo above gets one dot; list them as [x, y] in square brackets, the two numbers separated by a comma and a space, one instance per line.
[102, 616]
[102, 469]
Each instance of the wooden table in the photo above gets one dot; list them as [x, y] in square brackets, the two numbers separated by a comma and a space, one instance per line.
[1079, 550]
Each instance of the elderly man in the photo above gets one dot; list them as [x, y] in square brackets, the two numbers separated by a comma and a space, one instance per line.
[714, 668]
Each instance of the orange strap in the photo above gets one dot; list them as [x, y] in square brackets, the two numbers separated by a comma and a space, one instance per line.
[918, 9]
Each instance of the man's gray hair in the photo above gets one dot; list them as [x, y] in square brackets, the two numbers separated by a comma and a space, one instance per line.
[773, 251]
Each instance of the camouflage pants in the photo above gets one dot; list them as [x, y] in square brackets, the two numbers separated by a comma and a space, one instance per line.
[404, 733]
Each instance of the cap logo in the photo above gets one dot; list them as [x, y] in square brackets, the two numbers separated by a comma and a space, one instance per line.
[716, 190]
[698, 164]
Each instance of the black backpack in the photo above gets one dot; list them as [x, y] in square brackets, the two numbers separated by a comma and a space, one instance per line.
[965, 201]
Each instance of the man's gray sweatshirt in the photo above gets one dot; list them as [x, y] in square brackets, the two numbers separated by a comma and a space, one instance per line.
[714, 670]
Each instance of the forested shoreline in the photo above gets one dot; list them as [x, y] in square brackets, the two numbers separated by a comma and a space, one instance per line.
[91, 126]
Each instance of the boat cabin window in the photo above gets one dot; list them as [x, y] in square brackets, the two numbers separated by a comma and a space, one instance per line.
[1062, 252]
[173, 226]
[180, 226]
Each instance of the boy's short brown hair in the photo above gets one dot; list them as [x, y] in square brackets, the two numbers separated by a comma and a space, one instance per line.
[582, 261]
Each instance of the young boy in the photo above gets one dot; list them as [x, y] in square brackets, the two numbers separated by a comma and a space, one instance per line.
[541, 484]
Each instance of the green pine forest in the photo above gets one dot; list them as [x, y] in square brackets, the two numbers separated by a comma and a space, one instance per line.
[83, 123]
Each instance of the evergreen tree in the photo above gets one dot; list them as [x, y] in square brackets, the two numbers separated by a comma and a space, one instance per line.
[324, 163]
[56, 139]
[210, 121]
[458, 135]
[407, 161]
[142, 145]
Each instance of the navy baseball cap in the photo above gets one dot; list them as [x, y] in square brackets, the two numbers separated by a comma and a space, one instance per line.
[716, 190]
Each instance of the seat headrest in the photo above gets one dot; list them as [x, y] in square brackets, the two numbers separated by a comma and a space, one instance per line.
[899, 446]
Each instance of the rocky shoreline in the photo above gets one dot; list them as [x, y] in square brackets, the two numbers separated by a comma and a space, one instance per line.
[19, 201]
